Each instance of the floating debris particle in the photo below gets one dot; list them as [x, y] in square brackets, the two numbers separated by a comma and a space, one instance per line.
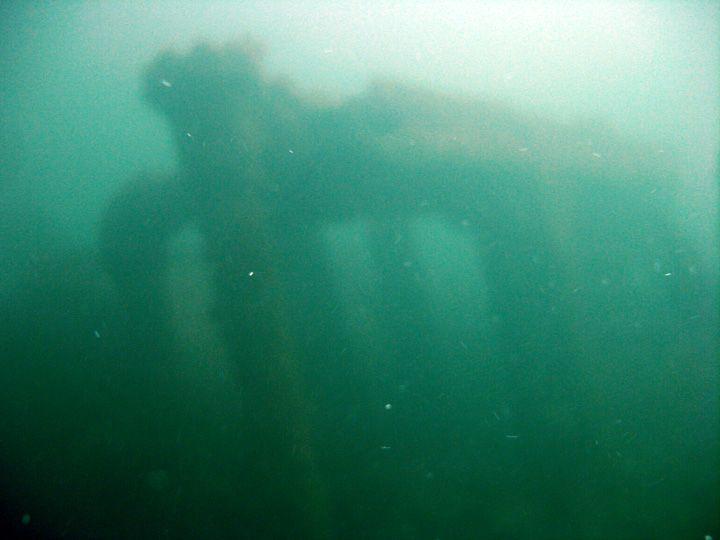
[97, 334]
[166, 83]
[388, 406]
[25, 519]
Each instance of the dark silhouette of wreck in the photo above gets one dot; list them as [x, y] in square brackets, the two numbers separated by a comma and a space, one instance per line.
[571, 224]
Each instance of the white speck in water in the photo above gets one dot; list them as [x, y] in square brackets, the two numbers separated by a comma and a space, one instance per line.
[388, 406]
[251, 274]
[385, 447]
[25, 519]
[166, 83]
[97, 334]
[523, 149]
[188, 134]
[407, 264]
[512, 436]
[328, 51]
[708, 537]
[291, 151]
[605, 281]
[596, 155]
[667, 274]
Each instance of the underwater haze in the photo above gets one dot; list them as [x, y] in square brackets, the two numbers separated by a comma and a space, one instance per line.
[398, 270]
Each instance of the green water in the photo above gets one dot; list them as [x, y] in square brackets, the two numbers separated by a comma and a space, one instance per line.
[478, 302]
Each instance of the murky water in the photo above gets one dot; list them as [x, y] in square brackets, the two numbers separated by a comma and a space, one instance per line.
[401, 271]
